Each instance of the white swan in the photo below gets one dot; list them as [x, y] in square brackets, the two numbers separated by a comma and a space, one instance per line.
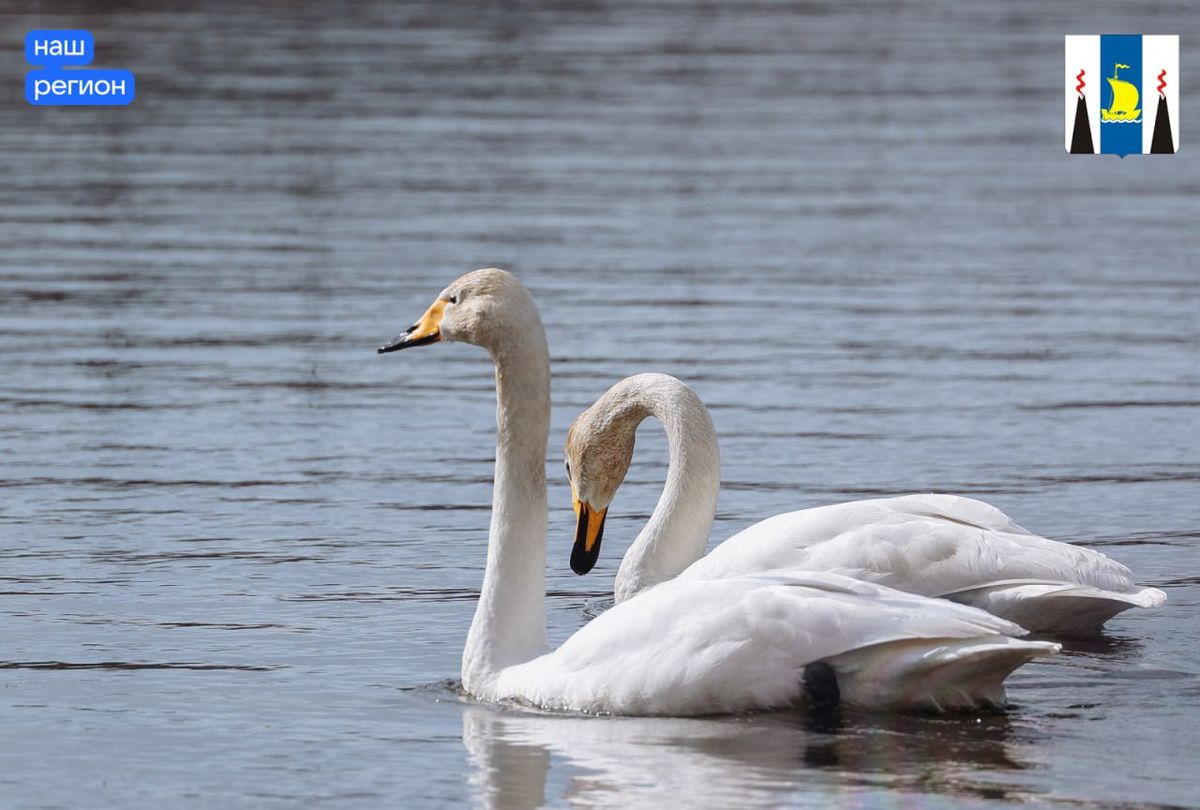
[686, 648]
[935, 545]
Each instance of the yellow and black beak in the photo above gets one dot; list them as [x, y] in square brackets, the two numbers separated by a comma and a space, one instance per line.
[425, 331]
[589, 529]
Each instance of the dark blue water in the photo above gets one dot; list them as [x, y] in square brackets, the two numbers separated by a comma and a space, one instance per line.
[239, 552]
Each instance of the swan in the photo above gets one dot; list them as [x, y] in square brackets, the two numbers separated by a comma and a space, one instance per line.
[686, 648]
[933, 545]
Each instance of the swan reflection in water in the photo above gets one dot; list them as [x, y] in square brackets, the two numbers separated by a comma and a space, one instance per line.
[523, 759]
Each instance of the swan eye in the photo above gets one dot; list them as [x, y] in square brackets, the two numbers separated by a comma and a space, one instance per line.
[453, 299]
[568, 465]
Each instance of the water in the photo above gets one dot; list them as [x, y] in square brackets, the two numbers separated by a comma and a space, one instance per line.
[239, 552]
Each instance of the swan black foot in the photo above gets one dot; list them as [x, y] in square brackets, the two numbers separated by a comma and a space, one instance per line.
[821, 685]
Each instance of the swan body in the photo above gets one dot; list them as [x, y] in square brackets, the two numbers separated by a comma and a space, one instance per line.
[742, 643]
[933, 545]
[946, 546]
[739, 643]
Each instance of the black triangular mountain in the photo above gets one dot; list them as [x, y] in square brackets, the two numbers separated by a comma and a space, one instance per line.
[1162, 143]
[1081, 138]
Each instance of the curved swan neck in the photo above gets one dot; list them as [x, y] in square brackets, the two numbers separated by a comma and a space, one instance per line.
[678, 530]
[510, 623]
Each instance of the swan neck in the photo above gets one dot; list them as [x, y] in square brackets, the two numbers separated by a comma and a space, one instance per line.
[510, 624]
[678, 530]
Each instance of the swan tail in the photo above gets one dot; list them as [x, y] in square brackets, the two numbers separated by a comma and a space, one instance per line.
[1060, 609]
[937, 675]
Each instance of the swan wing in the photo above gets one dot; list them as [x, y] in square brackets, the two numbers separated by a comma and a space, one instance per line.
[742, 643]
[934, 545]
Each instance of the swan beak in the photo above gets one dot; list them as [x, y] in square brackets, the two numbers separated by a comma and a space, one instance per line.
[425, 331]
[589, 529]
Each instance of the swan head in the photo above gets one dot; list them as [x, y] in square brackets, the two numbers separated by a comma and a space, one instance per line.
[598, 453]
[488, 308]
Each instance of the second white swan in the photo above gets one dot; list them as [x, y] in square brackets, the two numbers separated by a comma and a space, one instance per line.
[935, 545]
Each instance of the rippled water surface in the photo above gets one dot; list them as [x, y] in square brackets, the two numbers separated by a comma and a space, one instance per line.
[239, 551]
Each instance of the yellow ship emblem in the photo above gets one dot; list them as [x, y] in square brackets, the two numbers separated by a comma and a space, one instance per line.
[1124, 106]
